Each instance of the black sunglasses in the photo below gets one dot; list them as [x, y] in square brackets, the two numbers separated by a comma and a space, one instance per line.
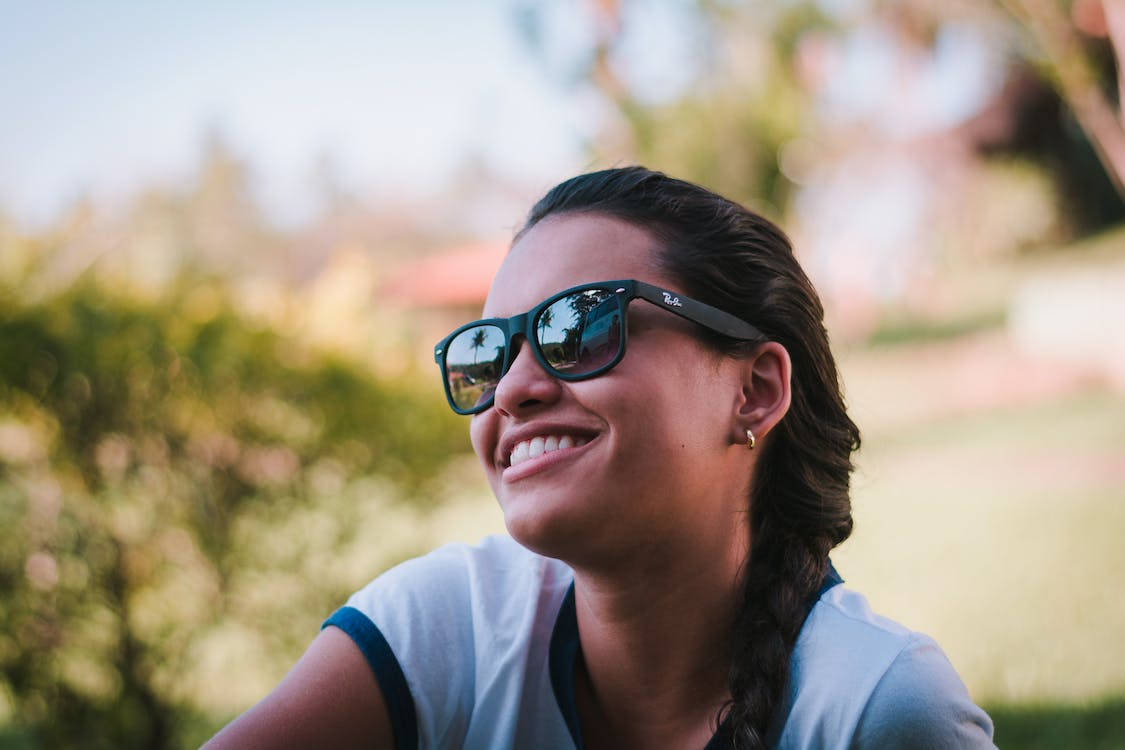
[576, 334]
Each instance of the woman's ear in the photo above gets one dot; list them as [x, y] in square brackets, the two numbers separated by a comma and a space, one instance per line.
[765, 389]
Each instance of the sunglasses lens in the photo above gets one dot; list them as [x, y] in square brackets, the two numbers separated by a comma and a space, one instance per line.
[473, 363]
[581, 332]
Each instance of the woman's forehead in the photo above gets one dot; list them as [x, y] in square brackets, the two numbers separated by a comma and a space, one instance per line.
[564, 251]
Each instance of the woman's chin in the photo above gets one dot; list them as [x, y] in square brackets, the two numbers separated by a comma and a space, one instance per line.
[551, 532]
[538, 533]
[586, 540]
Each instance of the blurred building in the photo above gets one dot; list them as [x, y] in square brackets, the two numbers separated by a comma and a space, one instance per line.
[442, 291]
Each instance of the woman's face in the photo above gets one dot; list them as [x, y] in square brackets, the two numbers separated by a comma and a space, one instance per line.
[653, 461]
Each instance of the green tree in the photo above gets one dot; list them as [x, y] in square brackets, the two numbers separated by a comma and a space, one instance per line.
[725, 126]
[545, 319]
[477, 343]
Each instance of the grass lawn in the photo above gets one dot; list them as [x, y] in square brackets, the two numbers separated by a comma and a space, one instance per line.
[999, 533]
[1097, 726]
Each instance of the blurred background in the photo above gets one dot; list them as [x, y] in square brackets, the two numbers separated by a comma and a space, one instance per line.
[230, 234]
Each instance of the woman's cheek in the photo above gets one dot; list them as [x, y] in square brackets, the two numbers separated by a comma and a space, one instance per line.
[483, 434]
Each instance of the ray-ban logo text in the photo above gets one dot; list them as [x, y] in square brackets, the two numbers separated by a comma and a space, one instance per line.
[670, 300]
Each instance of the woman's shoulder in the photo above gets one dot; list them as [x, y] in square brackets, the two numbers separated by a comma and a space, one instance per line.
[843, 618]
[861, 675]
[441, 629]
[921, 702]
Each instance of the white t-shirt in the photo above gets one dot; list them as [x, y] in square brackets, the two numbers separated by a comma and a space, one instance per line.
[475, 646]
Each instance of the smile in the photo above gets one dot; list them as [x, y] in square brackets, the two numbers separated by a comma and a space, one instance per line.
[542, 453]
[537, 446]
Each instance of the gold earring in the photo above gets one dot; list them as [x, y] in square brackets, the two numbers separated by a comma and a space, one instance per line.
[750, 440]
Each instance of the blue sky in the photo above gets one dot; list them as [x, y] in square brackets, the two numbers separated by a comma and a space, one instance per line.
[99, 98]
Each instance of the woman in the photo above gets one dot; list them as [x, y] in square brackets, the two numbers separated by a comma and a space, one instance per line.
[672, 455]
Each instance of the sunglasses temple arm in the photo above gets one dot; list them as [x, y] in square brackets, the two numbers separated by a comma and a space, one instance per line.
[698, 312]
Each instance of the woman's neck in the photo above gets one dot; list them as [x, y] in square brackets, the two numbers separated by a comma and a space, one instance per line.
[655, 637]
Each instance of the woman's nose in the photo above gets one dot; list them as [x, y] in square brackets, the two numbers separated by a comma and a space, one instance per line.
[526, 384]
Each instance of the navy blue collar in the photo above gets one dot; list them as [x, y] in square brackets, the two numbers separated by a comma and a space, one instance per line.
[566, 650]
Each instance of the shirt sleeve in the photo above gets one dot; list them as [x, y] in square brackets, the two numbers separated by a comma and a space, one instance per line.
[921, 703]
[414, 627]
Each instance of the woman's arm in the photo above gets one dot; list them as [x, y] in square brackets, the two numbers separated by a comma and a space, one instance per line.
[329, 699]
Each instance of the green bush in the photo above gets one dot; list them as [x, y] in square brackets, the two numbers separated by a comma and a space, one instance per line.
[181, 492]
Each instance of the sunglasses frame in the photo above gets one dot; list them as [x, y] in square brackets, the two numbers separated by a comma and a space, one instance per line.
[625, 290]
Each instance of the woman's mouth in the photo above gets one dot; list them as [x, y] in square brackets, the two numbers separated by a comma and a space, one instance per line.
[537, 446]
[541, 452]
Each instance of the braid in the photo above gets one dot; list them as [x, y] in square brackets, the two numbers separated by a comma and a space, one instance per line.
[800, 507]
[776, 594]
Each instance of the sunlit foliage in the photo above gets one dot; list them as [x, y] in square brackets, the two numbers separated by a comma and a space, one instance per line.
[165, 472]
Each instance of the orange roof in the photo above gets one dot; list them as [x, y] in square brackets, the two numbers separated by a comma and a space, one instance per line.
[457, 277]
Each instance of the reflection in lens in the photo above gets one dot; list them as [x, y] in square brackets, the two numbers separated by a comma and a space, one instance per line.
[580, 332]
[473, 361]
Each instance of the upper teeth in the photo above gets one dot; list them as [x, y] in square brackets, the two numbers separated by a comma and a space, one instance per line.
[537, 446]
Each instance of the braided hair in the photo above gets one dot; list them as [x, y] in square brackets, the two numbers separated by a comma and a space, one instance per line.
[799, 503]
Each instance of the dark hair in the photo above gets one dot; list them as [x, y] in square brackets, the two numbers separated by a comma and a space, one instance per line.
[730, 257]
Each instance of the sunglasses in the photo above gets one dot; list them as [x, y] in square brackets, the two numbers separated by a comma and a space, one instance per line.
[576, 334]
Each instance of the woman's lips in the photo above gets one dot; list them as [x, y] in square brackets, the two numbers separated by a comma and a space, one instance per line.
[537, 446]
[523, 464]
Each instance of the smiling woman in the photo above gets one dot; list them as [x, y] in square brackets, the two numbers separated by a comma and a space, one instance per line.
[672, 455]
